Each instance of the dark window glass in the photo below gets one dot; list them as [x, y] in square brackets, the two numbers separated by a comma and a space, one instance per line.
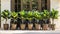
[44, 4]
[17, 5]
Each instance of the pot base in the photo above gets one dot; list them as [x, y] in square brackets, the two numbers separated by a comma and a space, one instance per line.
[22, 26]
[6, 26]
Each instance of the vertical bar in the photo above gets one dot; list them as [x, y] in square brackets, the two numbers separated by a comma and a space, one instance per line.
[48, 5]
[12, 5]
[39, 5]
[30, 4]
[0, 13]
[21, 4]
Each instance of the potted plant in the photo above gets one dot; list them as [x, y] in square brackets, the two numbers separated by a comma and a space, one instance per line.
[6, 15]
[46, 16]
[22, 17]
[54, 15]
[14, 16]
[30, 17]
[37, 16]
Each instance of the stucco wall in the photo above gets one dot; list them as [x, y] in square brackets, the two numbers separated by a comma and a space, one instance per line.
[5, 4]
[56, 5]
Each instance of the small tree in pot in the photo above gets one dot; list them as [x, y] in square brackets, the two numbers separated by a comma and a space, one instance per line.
[6, 15]
[46, 16]
[22, 17]
[38, 17]
[30, 17]
[53, 15]
[14, 16]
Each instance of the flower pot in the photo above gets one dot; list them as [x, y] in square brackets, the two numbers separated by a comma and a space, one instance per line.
[13, 26]
[45, 27]
[30, 26]
[6, 26]
[53, 26]
[22, 26]
[37, 26]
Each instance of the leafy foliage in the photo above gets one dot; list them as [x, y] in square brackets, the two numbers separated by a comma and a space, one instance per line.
[46, 14]
[54, 14]
[5, 14]
[14, 15]
[37, 15]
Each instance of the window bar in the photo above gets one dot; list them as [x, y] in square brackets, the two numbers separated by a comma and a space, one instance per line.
[12, 5]
[21, 4]
[48, 5]
[30, 4]
[39, 5]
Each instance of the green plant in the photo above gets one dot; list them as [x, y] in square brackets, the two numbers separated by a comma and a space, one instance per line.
[37, 16]
[6, 15]
[54, 15]
[22, 15]
[30, 16]
[14, 15]
[46, 15]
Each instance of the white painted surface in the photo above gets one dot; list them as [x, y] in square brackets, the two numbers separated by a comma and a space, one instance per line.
[5, 4]
[56, 5]
[28, 32]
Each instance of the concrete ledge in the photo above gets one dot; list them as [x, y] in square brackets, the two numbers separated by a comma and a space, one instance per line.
[28, 31]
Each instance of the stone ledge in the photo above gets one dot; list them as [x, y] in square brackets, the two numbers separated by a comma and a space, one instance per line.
[28, 31]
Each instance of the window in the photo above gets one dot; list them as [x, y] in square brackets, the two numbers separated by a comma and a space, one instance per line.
[18, 5]
[40, 5]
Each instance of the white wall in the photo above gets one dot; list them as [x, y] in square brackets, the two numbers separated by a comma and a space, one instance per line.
[56, 5]
[5, 4]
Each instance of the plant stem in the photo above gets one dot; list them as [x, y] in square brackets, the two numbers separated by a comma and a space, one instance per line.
[6, 21]
[52, 21]
[37, 20]
[22, 20]
[30, 20]
[45, 21]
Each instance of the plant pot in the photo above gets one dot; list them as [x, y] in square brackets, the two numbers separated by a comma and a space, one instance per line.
[53, 26]
[45, 27]
[37, 26]
[6, 26]
[30, 26]
[13, 26]
[22, 26]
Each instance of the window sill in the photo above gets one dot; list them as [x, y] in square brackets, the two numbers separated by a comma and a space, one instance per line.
[28, 31]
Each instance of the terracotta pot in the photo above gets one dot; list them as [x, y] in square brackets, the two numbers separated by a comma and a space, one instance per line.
[53, 26]
[37, 26]
[45, 27]
[13, 26]
[6, 26]
[22, 26]
[30, 26]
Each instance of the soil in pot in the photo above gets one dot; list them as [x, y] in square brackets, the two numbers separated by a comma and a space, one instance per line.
[22, 26]
[53, 26]
[13, 26]
[6, 26]
[45, 27]
[37, 26]
[30, 26]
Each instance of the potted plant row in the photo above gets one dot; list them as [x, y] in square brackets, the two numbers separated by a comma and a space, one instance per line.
[23, 15]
